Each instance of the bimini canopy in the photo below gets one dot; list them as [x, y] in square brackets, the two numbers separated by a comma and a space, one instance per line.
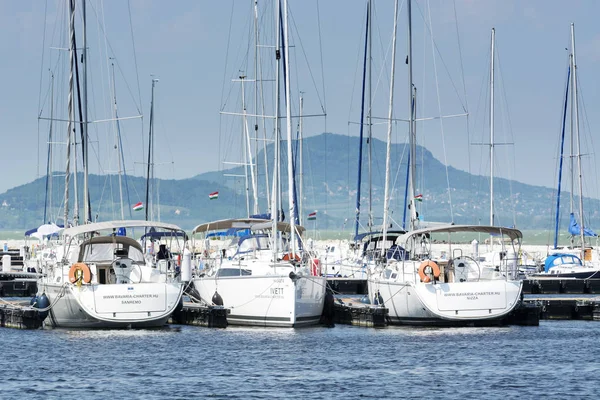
[560, 259]
[253, 224]
[239, 232]
[164, 234]
[281, 227]
[490, 230]
[243, 223]
[115, 225]
[361, 236]
[102, 249]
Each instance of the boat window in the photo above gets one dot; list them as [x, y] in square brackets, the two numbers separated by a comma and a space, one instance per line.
[387, 273]
[566, 260]
[105, 252]
[253, 243]
[233, 272]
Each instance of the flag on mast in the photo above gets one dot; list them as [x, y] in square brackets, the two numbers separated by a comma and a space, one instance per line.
[213, 195]
[312, 216]
[419, 197]
[138, 206]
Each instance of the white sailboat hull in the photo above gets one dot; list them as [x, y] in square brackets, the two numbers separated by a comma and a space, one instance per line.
[142, 305]
[460, 303]
[268, 300]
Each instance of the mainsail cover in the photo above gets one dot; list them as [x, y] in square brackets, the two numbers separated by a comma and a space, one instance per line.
[575, 230]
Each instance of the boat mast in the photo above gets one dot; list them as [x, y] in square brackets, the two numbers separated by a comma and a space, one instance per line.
[362, 112]
[562, 147]
[288, 112]
[386, 201]
[369, 124]
[275, 190]
[411, 130]
[150, 169]
[249, 150]
[492, 127]
[118, 142]
[49, 171]
[576, 117]
[258, 83]
[70, 110]
[301, 175]
[86, 195]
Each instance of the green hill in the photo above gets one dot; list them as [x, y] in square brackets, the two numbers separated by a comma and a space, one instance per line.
[330, 176]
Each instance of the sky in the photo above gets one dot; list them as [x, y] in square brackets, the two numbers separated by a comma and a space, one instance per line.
[194, 48]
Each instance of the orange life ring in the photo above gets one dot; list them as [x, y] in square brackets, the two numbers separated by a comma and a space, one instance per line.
[435, 270]
[290, 256]
[80, 271]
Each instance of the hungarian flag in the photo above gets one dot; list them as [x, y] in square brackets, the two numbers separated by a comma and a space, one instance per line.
[213, 195]
[139, 206]
[312, 216]
[419, 197]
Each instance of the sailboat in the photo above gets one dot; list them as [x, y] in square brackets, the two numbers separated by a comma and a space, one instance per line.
[573, 261]
[100, 277]
[444, 284]
[366, 248]
[266, 278]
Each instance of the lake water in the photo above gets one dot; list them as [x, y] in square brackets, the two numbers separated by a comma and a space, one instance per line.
[558, 359]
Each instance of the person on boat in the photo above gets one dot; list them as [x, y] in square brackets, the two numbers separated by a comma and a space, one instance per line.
[163, 253]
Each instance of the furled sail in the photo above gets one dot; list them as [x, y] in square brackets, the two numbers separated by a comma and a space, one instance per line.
[575, 230]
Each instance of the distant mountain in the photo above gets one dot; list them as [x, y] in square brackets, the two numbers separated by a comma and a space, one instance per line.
[330, 176]
[331, 169]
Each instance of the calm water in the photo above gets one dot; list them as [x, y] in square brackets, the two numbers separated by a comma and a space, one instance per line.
[558, 359]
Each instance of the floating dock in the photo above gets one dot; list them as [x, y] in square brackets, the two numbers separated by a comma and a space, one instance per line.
[200, 315]
[341, 285]
[18, 284]
[19, 315]
[566, 306]
[561, 286]
[355, 311]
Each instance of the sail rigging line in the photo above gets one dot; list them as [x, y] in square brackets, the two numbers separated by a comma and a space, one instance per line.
[310, 72]
[508, 140]
[439, 103]
[71, 33]
[386, 195]
[40, 99]
[82, 123]
[150, 152]
[135, 63]
[462, 73]
[562, 145]
[324, 104]
[584, 115]
[577, 137]
[261, 94]
[483, 94]
[587, 124]
[437, 50]
[361, 131]
[49, 156]
[222, 101]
